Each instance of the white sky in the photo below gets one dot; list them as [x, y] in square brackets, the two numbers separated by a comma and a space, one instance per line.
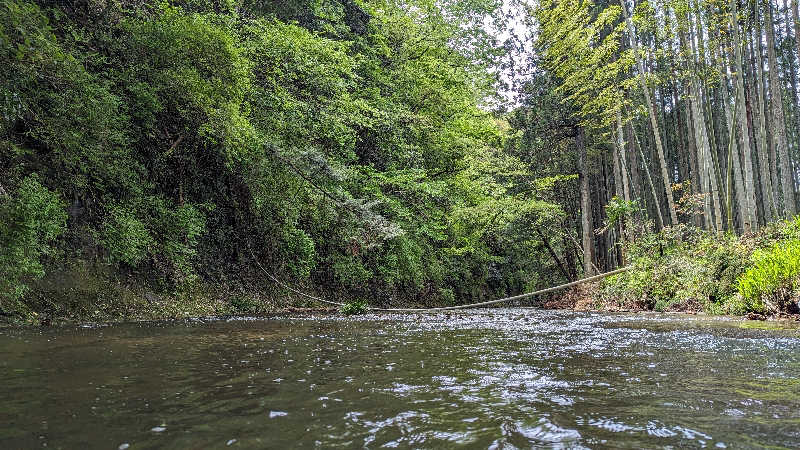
[515, 13]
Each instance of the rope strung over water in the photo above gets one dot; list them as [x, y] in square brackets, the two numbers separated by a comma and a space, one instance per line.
[448, 308]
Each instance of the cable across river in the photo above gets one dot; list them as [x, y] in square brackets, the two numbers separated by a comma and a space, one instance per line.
[448, 308]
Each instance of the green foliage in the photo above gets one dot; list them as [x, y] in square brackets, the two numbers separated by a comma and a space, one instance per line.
[302, 86]
[300, 253]
[125, 236]
[354, 307]
[178, 230]
[349, 271]
[681, 266]
[580, 44]
[773, 279]
[325, 137]
[60, 107]
[30, 221]
[155, 231]
[243, 304]
[619, 210]
[343, 142]
[447, 297]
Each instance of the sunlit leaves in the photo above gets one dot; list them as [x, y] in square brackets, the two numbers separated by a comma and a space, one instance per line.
[580, 43]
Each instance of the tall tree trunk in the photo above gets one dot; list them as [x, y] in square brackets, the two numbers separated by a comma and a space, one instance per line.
[706, 160]
[684, 166]
[749, 213]
[734, 159]
[620, 146]
[700, 183]
[752, 120]
[793, 125]
[769, 172]
[709, 111]
[733, 169]
[619, 178]
[768, 192]
[637, 183]
[586, 225]
[660, 218]
[601, 197]
[696, 162]
[796, 16]
[653, 117]
[778, 122]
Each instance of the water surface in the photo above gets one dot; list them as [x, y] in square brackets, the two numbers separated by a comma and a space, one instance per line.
[503, 378]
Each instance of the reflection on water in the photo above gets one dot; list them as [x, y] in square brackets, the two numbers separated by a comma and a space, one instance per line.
[507, 378]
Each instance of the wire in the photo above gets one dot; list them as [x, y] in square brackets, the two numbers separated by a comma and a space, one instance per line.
[449, 308]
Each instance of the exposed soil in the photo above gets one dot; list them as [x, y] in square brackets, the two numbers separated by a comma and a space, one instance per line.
[581, 298]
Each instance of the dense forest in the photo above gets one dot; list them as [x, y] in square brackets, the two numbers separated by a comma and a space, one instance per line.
[178, 157]
[691, 108]
[697, 102]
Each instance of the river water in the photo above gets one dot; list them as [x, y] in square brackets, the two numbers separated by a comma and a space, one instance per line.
[499, 378]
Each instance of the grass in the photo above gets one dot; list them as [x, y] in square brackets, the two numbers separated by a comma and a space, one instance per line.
[773, 280]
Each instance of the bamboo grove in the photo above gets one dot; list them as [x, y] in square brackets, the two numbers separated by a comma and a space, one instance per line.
[696, 100]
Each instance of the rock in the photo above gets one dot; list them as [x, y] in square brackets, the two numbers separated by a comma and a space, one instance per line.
[756, 316]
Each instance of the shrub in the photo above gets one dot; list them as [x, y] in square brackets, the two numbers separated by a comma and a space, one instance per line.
[354, 307]
[125, 237]
[447, 297]
[154, 230]
[349, 271]
[773, 278]
[300, 252]
[679, 265]
[29, 223]
[178, 229]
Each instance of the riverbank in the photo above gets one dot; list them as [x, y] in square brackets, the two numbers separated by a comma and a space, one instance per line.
[681, 269]
[80, 291]
[685, 269]
[585, 298]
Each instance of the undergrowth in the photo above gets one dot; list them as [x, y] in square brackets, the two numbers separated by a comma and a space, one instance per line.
[354, 307]
[774, 278]
[684, 268]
